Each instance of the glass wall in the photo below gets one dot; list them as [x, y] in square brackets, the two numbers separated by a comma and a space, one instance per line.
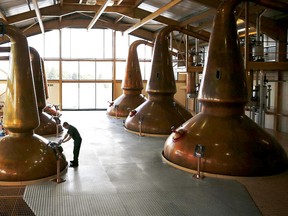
[82, 66]
[93, 44]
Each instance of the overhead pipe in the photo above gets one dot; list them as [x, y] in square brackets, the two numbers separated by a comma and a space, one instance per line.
[48, 125]
[258, 50]
[258, 25]
[160, 112]
[132, 85]
[234, 144]
[24, 156]
[197, 57]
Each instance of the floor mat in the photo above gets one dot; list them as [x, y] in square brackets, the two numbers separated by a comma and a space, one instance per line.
[12, 203]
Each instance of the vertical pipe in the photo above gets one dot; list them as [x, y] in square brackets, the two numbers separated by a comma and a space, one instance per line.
[258, 28]
[196, 46]
[61, 71]
[246, 56]
[114, 64]
[187, 65]
[261, 99]
[282, 56]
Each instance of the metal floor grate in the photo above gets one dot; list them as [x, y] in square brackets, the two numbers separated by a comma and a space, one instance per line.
[12, 203]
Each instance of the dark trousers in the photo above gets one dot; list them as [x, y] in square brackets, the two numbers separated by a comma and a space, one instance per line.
[76, 150]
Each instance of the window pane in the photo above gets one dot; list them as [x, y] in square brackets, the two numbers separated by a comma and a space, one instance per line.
[87, 96]
[70, 96]
[145, 70]
[37, 42]
[66, 43]
[4, 69]
[148, 67]
[131, 39]
[69, 70]
[103, 94]
[87, 70]
[121, 45]
[83, 43]
[52, 44]
[8, 44]
[2, 93]
[120, 70]
[104, 70]
[108, 35]
[99, 45]
[141, 51]
[51, 70]
[148, 52]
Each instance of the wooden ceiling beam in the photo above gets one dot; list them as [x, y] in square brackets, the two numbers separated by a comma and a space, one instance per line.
[79, 23]
[119, 2]
[119, 19]
[69, 9]
[58, 10]
[152, 16]
[38, 15]
[141, 14]
[3, 16]
[137, 3]
[66, 9]
[98, 14]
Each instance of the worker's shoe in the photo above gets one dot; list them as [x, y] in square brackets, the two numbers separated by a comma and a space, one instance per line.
[73, 164]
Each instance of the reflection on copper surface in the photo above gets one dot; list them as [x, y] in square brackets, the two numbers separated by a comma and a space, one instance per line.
[234, 144]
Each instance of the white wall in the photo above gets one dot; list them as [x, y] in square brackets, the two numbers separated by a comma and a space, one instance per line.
[53, 93]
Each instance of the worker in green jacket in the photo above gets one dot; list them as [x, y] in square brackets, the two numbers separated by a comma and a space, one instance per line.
[75, 135]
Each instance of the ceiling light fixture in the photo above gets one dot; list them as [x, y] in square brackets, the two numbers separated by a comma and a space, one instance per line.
[91, 2]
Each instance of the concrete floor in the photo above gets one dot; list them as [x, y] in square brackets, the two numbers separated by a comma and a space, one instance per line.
[121, 173]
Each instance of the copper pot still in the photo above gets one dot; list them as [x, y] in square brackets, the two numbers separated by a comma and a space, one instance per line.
[234, 144]
[132, 86]
[48, 125]
[157, 115]
[24, 156]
